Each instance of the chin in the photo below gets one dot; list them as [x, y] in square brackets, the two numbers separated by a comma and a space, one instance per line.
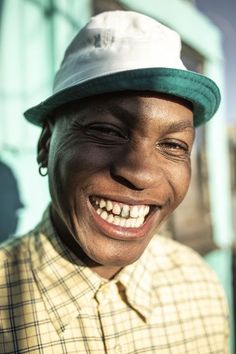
[117, 253]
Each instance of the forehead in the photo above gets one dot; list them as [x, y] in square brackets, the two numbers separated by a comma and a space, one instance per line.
[131, 106]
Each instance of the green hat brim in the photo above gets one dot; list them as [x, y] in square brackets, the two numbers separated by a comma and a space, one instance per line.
[198, 89]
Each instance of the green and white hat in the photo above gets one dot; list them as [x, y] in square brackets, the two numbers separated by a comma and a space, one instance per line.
[124, 50]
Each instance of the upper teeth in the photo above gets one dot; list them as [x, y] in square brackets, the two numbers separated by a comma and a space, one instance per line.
[120, 209]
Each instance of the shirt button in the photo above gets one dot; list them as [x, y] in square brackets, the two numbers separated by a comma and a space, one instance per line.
[105, 290]
[103, 294]
[118, 349]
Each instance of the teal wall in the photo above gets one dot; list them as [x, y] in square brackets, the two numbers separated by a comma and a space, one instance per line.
[32, 42]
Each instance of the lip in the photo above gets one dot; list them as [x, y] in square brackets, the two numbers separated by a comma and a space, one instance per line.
[125, 233]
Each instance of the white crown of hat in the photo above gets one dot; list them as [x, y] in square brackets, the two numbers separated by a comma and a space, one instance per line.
[118, 41]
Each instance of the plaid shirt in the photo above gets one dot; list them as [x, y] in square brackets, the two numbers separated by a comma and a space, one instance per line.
[168, 301]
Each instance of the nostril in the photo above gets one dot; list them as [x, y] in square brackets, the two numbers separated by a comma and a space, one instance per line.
[136, 170]
[125, 182]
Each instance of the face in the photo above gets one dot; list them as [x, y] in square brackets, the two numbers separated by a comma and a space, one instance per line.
[118, 166]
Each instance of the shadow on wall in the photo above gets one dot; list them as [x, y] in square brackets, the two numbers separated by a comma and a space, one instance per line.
[10, 202]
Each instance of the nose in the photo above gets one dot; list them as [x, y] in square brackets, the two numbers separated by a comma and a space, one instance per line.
[137, 167]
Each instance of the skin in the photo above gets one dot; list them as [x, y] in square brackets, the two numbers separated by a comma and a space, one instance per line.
[132, 147]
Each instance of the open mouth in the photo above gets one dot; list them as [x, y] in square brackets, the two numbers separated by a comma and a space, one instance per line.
[120, 214]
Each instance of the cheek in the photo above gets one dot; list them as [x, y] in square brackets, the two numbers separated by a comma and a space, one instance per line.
[60, 173]
[179, 179]
[83, 161]
[72, 166]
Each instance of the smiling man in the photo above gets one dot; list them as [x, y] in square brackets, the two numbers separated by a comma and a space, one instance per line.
[117, 135]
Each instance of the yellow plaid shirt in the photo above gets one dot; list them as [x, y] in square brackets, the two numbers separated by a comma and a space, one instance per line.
[169, 301]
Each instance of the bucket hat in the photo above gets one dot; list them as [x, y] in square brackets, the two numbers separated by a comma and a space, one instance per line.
[125, 50]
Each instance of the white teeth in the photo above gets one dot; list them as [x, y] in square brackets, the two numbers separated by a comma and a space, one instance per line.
[99, 211]
[128, 223]
[110, 218]
[140, 220]
[104, 215]
[109, 205]
[125, 211]
[141, 210]
[134, 212]
[119, 221]
[102, 203]
[116, 220]
[146, 210]
[133, 223]
[137, 223]
[122, 221]
[116, 209]
[121, 214]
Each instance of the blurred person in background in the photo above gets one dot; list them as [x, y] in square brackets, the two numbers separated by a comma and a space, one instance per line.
[117, 133]
[10, 202]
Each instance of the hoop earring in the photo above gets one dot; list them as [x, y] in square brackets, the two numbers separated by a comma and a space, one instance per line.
[43, 171]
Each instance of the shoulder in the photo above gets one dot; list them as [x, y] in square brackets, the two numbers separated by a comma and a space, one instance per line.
[173, 254]
[183, 266]
[13, 244]
[14, 255]
[186, 288]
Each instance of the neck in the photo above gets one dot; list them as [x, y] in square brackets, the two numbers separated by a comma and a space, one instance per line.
[106, 272]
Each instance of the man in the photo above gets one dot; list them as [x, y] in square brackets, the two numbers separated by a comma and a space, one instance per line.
[116, 141]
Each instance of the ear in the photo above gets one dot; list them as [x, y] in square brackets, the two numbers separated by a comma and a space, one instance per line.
[44, 144]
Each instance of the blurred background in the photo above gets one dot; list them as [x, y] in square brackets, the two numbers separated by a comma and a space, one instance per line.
[33, 37]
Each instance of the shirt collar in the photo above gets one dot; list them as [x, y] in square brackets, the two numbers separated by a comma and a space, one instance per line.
[67, 285]
[137, 280]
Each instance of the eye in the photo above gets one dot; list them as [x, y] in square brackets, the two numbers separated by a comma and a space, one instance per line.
[174, 148]
[105, 132]
[104, 129]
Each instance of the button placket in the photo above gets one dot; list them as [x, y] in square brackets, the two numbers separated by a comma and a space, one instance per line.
[106, 296]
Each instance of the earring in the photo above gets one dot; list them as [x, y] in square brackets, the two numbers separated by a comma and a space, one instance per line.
[43, 171]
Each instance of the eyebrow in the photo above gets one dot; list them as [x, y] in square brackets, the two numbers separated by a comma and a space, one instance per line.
[119, 112]
[173, 126]
[180, 125]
